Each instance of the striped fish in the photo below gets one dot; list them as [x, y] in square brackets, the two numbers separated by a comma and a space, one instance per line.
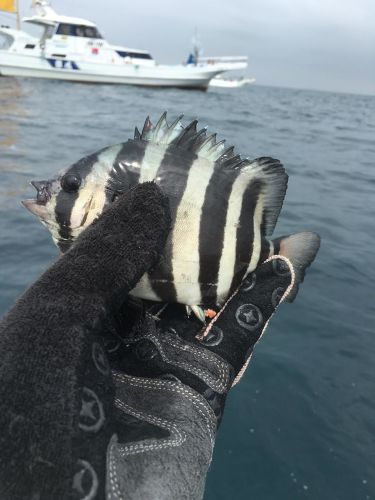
[223, 209]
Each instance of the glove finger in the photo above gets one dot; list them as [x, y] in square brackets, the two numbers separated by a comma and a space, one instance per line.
[236, 329]
[112, 254]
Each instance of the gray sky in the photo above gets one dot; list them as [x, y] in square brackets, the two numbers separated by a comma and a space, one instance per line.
[318, 44]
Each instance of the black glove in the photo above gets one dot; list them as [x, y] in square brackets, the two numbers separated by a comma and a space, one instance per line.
[56, 389]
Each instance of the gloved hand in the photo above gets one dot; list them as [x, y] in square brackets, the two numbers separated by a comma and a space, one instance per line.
[71, 430]
[56, 388]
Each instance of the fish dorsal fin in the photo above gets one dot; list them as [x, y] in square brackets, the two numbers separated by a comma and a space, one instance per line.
[161, 133]
[233, 162]
[147, 128]
[184, 140]
[188, 138]
[268, 172]
[160, 128]
[137, 134]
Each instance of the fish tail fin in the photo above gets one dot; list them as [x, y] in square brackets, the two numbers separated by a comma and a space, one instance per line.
[300, 249]
[272, 180]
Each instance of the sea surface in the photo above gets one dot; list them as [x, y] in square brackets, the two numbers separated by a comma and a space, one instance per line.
[301, 424]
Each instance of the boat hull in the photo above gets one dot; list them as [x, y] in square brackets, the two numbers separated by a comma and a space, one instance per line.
[230, 84]
[128, 74]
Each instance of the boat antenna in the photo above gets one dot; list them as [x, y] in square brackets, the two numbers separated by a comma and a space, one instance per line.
[197, 46]
[41, 7]
[18, 17]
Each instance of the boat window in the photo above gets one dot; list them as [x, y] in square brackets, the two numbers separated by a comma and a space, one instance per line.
[64, 29]
[91, 32]
[134, 55]
[78, 30]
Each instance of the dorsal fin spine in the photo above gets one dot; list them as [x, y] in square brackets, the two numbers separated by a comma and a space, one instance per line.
[232, 162]
[137, 134]
[190, 139]
[186, 138]
[218, 145]
[160, 128]
[172, 131]
[226, 156]
[146, 129]
[199, 139]
[216, 150]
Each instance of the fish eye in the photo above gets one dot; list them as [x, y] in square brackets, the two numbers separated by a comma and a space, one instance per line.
[70, 183]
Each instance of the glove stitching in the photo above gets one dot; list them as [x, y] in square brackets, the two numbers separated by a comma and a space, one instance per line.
[198, 351]
[219, 385]
[184, 393]
[205, 332]
[141, 447]
[286, 293]
[211, 357]
[192, 397]
[244, 367]
[113, 479]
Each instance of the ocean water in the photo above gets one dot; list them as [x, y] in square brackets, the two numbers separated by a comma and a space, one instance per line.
[301, 424]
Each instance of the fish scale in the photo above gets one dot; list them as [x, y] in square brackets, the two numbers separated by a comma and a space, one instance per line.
[223, 208]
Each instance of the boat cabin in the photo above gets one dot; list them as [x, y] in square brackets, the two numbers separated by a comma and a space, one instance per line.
[73, 39]
[79, 30]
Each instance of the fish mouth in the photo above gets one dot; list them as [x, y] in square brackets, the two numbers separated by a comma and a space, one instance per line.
[35, 208]
[38, 206]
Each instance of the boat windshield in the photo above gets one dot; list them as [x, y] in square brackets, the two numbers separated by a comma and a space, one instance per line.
[78, 30]
[134, 55]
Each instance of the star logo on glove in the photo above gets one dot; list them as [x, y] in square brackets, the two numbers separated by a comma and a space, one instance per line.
[249, 317]
[91, 416]
[249, 282]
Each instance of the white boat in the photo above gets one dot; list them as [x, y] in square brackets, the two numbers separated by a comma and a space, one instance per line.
[232, 83]
[73, 49]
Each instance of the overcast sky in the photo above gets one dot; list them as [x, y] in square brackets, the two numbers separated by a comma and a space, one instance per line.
[318, 44]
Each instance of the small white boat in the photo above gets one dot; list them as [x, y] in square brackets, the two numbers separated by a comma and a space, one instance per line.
[73, 49]
[232, 83]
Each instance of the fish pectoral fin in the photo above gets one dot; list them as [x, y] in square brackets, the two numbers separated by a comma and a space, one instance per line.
[197, 311]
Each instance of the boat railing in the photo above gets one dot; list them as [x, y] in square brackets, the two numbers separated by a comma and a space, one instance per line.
[222, 59]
